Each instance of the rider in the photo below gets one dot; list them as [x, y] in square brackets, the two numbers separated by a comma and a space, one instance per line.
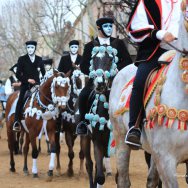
[152, 25]
[12, 84]
[28, 69]
[3, 97]
[48, 64]
[72, 59]
[105, 29]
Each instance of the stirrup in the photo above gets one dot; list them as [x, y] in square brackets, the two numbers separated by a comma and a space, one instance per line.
[79, 132]
[132, 145]
[18, 127]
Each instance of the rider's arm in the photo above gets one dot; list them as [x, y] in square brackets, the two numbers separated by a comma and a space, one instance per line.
[20, 73]
[85, 62]
[42, 69]
[123, 55]
[61, 65]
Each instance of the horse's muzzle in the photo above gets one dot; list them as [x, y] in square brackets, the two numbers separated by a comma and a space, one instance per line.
[100, 87]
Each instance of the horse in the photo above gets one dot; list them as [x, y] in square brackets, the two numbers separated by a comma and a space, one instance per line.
[166, 114]
[70, 118]
[102, 70]
[40, 113]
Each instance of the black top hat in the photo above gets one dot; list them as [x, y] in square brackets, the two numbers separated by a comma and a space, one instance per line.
[74, 42]
[104, 20]
[31, 42]
[12, 68]
[47, 61]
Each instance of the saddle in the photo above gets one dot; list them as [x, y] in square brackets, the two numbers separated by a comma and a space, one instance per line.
[150, 85]
[29, 93]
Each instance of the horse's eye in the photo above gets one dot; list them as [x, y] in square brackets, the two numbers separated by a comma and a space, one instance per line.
[62, 74]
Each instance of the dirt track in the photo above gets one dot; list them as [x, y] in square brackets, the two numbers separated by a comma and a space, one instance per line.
[138, 170]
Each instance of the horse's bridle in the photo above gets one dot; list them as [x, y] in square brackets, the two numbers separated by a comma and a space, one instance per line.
[52, 101]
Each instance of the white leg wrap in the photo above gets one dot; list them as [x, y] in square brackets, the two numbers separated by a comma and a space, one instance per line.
[99, 186]
[52, 161]
[107, 165]
[61, 137]
[34, 168]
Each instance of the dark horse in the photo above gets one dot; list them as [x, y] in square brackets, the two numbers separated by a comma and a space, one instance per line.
[103, 69]
[40, 111]
[70, 118]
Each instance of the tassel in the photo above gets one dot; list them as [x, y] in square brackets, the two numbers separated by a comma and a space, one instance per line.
[183, 118]
[161, 113]
[160, 120]
[169, 123]
[182, 126]
[172, 115]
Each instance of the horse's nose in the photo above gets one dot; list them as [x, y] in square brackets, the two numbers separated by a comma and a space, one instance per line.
[100, 86]
[63, 107]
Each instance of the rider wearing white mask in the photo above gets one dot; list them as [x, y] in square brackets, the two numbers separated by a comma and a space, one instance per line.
[105, 30]
[12, 84]
[71, 60]
[28, 70]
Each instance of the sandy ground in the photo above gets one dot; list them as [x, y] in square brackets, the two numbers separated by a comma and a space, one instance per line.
[138, 170]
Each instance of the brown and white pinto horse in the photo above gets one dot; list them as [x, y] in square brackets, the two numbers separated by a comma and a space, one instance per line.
[70, 118]
[40, 111]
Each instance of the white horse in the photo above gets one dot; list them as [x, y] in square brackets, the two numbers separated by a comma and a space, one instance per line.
[167, 145]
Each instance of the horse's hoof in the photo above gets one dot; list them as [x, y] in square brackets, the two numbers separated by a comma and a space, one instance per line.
[108, 174]
[186, 178]
[35, 176]
[26, 173]
[100, 180]
[70, 173]
[58, 171]
[12, 170]
[81, 174]
[50, 173]
[49, 179]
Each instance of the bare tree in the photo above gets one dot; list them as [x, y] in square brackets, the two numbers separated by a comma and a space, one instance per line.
[15, 29]
[52, 21]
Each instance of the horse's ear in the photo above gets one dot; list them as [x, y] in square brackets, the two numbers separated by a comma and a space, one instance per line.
[55, 71]
[68, 74]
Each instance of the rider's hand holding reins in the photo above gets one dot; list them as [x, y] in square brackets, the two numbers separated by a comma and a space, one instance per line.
[31, 81]
[168, 37]
[16, 84]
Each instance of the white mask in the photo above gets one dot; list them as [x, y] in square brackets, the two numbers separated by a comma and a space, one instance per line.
[47, 67]
[31, 49]
[107, 28]
[74, 49]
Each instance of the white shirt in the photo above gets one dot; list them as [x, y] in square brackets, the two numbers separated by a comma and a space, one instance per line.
[8, 86]
[103, 41]
[73, 57]
[32, 58]
[170, 21]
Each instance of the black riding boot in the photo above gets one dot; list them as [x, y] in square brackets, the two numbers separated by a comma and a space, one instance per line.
[19, 108]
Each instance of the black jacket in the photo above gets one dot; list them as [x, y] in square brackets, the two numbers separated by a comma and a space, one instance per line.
[28, 70]
[65, 64]
[123, 54]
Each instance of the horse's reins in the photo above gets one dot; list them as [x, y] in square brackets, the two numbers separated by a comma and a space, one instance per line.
[177, 49]
[48, 99]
